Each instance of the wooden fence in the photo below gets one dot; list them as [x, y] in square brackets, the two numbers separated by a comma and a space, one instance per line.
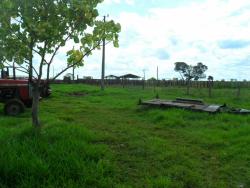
[160, 83]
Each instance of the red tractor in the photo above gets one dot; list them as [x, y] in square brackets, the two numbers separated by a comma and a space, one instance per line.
[17, 94]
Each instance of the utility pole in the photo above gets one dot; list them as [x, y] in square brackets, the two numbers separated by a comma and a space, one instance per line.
[143, 84]
[73, 73]
[157, 76]
[103, 58]
[144, 70]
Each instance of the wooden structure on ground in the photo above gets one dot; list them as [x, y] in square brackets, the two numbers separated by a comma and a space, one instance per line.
[193, 104]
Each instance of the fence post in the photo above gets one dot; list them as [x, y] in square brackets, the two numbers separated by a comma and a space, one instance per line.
[210, 88]
[238, 90]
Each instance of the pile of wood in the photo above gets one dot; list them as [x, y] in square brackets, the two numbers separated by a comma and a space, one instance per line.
[193, 104]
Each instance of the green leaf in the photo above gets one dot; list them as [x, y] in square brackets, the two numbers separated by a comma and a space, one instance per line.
[116, 44]
[76, 39]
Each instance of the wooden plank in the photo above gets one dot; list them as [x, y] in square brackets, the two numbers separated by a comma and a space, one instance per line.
[185, 105]
[240, 111]
[190, 101]
[212, 108]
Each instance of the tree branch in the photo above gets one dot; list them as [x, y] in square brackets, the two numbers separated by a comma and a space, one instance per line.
[181, 76]
[106, 43]
[32, 68]
[41, 64]
[57, 48]
[25, 72]
[37, 52]
[74, 64]
[35, 70]
[17, 21]
[19, 68]
[22, 70]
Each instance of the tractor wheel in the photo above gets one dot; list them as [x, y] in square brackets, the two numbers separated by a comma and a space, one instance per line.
[13, 107]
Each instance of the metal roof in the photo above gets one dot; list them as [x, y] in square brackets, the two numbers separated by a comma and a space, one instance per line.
[129, 76]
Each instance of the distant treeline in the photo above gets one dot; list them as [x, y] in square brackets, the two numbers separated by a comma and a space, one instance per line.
[160, 83]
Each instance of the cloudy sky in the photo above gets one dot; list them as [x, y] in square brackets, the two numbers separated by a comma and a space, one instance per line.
[162, 32]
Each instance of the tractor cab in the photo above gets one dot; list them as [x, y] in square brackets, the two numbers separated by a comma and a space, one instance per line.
[5, 73]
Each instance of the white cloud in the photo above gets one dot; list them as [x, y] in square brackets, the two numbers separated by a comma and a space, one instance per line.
[130, 2]
[196, 30]
[188, 33]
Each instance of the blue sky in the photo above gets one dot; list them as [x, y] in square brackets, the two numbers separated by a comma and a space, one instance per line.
[161, 32]
[140, 6]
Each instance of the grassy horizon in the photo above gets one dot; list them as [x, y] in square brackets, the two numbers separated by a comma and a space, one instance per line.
[93, 138]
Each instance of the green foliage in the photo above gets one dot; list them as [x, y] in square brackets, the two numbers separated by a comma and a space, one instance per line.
[75, 56]
[210, 78]
[42, 26]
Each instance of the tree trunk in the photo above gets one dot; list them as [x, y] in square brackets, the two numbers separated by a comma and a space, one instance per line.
[35, 106]
[48, 70]
[14, 71]
[31, 45]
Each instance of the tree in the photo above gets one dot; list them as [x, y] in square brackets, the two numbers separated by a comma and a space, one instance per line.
[182, 68]
[39, 28]
[190, 72]
[210, 78]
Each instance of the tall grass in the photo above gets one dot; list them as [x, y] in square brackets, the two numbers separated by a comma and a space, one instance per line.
[93, 138]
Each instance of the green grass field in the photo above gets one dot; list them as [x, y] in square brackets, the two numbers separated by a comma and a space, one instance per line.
[93, 139]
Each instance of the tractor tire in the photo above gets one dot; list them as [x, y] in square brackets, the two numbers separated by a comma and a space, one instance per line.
[13, 107]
